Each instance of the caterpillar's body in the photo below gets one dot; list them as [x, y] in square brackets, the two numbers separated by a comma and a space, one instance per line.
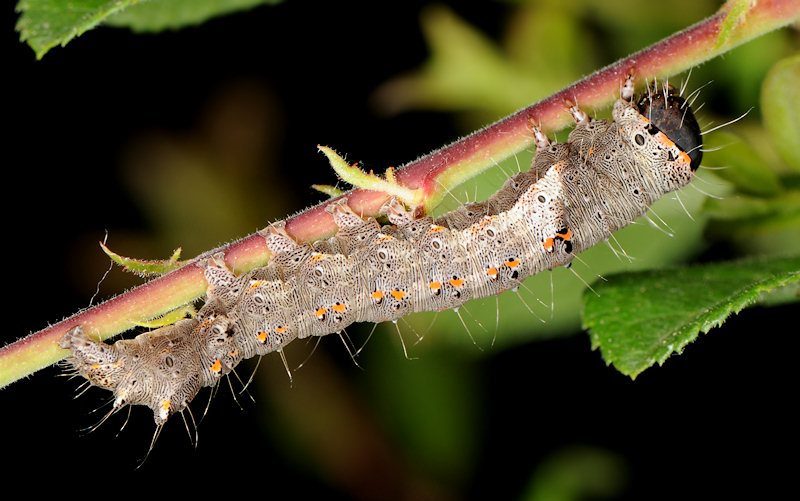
[575, 195]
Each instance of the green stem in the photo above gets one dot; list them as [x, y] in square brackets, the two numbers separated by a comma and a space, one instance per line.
[432, 174]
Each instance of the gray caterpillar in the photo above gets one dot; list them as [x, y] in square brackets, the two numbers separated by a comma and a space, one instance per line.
[575, 195]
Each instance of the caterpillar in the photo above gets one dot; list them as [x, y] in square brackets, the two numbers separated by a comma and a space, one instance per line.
[575, 195]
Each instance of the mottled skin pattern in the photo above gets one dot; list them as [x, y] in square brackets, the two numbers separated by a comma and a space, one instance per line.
[575, 195]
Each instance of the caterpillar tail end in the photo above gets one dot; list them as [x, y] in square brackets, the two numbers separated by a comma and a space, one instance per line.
[159, 369]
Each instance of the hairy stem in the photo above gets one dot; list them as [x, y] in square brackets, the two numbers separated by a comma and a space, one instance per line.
[432, 175]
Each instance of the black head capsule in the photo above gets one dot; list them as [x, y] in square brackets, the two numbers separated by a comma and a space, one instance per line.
[671, 114]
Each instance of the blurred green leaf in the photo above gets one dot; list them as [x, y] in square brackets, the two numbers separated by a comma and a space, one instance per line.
[638, 319]
[623, 21]
[159, 15]
[756, 225]
[780, 104]
[546, 43]
[43, 24]
[738, 207]
[577, 472]
[432, 408]
[467, 71]
[741, 164]
[741, 71]
[459, 53]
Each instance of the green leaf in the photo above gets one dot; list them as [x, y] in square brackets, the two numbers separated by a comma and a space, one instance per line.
[146, 267]
[331, 191]
[159, 15]
[639, 319]
[780, 104]
[44, 24]
[47, 23]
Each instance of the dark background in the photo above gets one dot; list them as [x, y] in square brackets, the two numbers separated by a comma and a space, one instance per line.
[718, 419]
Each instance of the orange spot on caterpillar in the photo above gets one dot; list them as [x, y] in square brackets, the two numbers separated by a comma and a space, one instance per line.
[281, 329]
[513, 263]
[320, 313]
[548, 244]
[255, 283]
[339, 307]
[216, 366]
[565, 236]
[399, 295]
[377, 296]
[165, 404]
[492, 272]
[262, 336]
[457, 282]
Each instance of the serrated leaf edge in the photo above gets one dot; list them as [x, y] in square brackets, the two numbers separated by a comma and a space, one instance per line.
[734, 304]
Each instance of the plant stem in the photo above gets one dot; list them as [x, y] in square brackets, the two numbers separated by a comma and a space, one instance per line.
[433, 174]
